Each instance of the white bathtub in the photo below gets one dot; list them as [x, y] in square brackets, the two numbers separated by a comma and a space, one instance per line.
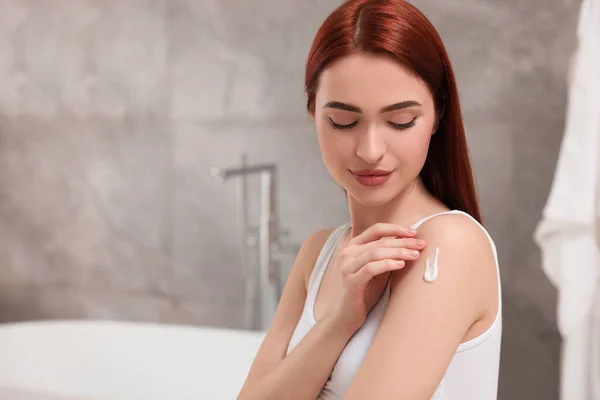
[98, 360]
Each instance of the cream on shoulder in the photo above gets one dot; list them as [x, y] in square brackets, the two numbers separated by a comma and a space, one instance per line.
[431, 267]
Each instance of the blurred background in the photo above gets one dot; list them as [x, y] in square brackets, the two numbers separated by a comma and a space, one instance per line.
[112, 114]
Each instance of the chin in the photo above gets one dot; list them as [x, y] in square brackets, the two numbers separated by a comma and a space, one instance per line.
[370, 197]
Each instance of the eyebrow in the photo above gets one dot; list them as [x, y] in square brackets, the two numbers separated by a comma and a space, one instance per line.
[393, 107]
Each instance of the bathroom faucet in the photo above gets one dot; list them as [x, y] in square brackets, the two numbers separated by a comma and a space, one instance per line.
[269, 280]
[223, 174]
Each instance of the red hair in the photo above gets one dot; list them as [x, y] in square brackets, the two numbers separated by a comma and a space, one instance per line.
[396, 28]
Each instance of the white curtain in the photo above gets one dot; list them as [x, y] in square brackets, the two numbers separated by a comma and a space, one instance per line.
[568, 232]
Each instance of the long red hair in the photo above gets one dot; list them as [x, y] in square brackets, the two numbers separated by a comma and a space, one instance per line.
[396, 28]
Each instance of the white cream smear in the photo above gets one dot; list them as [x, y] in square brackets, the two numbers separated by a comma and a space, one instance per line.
[431, 267]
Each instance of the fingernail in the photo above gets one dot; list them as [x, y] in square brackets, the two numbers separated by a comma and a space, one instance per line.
[400, 263]
[420, 242]
[411, 230]
[413, 253]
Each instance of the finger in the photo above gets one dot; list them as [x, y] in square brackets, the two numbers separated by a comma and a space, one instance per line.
[357, 250]
[380, 230]
[409, 243]
[379, 254]
[372, 269]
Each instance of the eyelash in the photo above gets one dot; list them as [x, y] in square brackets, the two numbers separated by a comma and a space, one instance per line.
[353, 124]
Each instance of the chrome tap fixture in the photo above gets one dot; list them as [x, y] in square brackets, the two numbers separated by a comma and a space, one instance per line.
[268, 282]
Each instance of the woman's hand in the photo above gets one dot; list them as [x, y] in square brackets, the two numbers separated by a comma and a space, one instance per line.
[366, 264]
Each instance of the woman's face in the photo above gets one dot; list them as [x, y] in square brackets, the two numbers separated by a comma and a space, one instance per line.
[374, 121]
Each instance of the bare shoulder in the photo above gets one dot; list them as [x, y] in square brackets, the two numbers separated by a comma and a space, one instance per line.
[459, 233]
[310, 250]
[466, 263]
[317, 238]
[463, 241]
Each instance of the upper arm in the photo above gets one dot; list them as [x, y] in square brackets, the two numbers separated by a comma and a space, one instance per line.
[274, 346]
[424, 323]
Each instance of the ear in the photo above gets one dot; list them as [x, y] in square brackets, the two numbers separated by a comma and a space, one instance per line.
[435, 126]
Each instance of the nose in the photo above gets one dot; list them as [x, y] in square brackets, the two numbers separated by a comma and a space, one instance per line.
[371, 145]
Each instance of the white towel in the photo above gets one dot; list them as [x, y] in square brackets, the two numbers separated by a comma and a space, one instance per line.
[567, 234]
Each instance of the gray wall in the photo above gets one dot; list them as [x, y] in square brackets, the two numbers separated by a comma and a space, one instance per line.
[113, 112]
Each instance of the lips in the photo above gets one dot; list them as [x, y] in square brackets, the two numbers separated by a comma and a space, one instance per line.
[372, 172]
[373, 177]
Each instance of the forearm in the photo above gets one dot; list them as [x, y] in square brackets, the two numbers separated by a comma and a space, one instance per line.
[303, 373]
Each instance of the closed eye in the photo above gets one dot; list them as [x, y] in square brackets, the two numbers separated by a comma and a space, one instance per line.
[340, 126]
[403, 126]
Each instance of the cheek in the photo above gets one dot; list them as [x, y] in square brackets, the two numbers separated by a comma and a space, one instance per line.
[334, 145]
[411, 147]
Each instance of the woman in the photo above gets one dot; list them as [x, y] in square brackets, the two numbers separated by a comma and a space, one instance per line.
[403, 302]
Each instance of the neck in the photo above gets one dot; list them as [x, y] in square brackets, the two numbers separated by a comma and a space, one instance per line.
[405, 209]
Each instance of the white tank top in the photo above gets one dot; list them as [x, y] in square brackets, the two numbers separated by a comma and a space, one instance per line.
[473, 371]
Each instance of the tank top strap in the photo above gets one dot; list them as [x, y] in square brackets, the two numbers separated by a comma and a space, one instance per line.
[420, 222]
[316, 276]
